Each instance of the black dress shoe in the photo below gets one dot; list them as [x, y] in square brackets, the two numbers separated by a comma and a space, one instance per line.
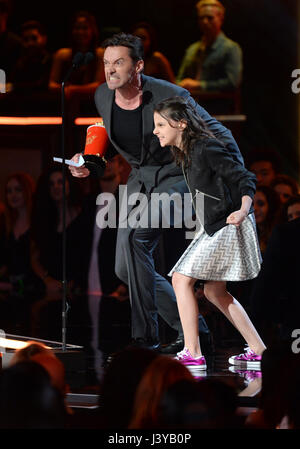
[174, 346]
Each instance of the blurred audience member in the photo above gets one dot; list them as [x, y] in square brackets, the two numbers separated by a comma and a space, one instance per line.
[267, 208]
[209, 404]
[31, 349]
[84, 39]
[285, 186]
[156, 64]
[32, 69]
[163, 372]
[292, 413]
[47, 235]
[28, 400]
[291, 209]
[275, 302]
[16, 272]
[132, 363]
[38, 352]
[42, 354]
[215, 62]
[265, 164]
[47, 227]
[10, 43]
[276, 398]
[97, 250]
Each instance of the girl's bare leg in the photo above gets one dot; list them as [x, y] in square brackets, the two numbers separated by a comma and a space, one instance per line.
[188, 311]
[216, 293]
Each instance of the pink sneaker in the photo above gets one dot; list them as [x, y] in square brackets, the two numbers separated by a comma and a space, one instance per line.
[247, 359]
[186, 359]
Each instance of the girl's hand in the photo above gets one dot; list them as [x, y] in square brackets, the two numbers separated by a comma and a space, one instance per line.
[236, 218]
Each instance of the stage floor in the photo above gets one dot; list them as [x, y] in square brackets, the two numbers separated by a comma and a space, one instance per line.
[246, 383]
[84, 383]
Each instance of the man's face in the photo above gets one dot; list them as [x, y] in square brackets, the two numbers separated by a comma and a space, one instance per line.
[210, 20]
[264, 172]
[120, 70]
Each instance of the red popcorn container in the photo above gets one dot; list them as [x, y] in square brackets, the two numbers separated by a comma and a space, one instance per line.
[96, 140]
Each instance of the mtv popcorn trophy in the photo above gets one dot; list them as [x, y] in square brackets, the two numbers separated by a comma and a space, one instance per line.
[95, 148]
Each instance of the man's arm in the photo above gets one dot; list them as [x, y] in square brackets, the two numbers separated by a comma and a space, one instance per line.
[189, 61]
[220, 131]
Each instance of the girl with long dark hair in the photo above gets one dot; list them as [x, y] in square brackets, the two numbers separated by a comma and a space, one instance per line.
[225, 247]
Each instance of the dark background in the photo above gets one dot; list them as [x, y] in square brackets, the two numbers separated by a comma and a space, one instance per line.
[265, 29]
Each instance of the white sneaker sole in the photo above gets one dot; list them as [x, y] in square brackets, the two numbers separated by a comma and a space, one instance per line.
[244, 363]
[196, 367]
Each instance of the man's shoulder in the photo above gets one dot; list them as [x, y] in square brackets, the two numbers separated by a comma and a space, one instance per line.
[228, 43]
[102, 88]
[162, 88]
[192, 49]
[102, 92]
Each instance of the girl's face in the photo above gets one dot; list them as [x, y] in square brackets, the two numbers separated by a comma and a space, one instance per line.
[293, 211]
[56, 186]
[167, 134]
[15, 194]
[284, 191]
[261, 207]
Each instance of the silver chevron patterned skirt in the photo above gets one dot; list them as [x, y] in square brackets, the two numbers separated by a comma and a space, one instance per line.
[231, 254]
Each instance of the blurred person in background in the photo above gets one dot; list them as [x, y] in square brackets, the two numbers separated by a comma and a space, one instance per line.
[85, 79]
[156, 63]
[265, 163]
[17, 277]
[267, 208]
[285, 186]
[32, 70]
[213, 63]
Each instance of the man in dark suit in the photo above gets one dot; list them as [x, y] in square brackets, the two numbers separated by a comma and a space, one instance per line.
[275, 297]
[126, 102]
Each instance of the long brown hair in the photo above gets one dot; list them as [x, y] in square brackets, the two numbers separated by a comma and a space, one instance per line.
[177, 109]
[159, 376]
[28, 186]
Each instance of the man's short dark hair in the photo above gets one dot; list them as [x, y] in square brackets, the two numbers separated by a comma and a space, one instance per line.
[259, 154]
[134, 43]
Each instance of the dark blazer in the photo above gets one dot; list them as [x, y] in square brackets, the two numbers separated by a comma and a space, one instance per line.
[220, 179]
[156, 168]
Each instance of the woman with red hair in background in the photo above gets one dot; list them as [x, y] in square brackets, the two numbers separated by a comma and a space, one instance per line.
[16, 279]
[162, 372]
